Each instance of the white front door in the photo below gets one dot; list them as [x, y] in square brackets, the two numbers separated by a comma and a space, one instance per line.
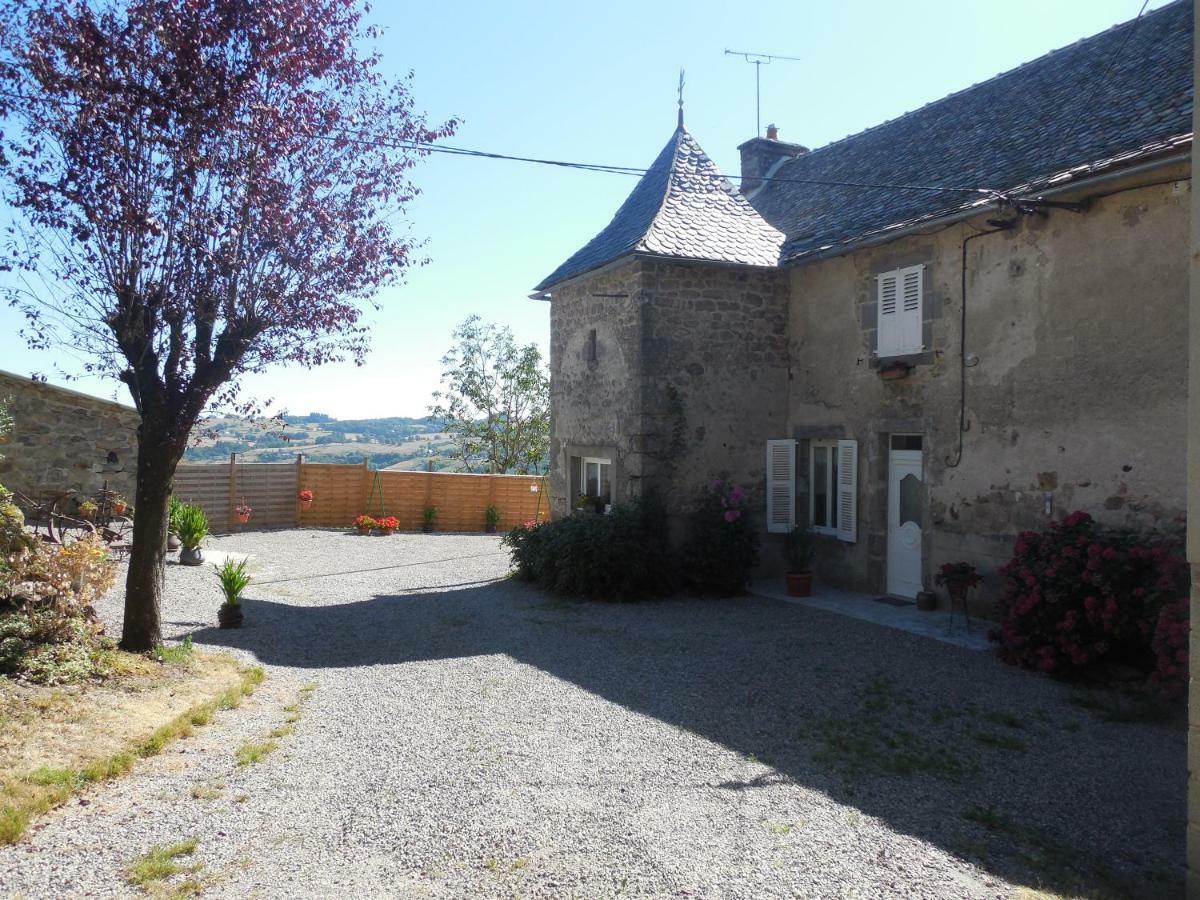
[905, 515]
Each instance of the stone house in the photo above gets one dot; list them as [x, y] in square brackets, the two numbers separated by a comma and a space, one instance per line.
[915, 341]
[63, 440]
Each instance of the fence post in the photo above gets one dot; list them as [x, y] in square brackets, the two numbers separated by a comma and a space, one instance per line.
[229, 514]
[366, 485]
[299, 484]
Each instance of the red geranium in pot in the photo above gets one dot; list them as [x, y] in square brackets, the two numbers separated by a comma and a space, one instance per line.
[243, 511]
[306, 498]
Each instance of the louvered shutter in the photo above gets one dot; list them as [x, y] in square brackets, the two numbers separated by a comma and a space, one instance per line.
[847, 490]
[911, 291]
[781, 486]
[889, 313]
[900, 294]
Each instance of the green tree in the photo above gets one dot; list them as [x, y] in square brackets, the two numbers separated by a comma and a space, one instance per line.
[495, 401]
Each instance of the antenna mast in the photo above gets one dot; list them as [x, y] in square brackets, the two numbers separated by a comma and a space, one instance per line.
[759, 60]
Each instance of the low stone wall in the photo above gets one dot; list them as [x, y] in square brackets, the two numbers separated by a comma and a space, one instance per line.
[63, 440]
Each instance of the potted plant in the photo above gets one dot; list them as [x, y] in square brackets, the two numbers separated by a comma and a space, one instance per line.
[119, 505]
[491, 518]
[243, 511]
[364, 524]
[428, 516]
[387, 525]
[306, 498]
[585, 503]
[173, 507]
[798, 554]
[87, 510]
[957, 578]
[234, 579]
[193, 528]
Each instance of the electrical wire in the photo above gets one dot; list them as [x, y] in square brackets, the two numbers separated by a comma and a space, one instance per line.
[359, 138]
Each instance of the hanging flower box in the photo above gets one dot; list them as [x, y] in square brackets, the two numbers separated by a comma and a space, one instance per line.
[306, 499]
[242, 510]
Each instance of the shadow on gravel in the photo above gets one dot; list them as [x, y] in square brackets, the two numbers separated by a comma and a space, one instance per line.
[944, 744]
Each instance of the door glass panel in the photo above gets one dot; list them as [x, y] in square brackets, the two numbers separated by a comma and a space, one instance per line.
[906, 442]
[910, 500]
[820, 487]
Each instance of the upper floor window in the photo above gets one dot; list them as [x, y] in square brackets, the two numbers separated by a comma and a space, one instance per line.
[901, 294]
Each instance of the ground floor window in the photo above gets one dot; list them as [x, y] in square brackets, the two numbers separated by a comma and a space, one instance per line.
[822, 480]
[595, 479]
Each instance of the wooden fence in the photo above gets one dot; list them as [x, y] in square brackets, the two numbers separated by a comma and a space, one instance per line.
[341, 492]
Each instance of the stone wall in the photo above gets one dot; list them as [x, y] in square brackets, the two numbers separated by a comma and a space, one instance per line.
[1078, 400]
[691, 344]
[63, 440]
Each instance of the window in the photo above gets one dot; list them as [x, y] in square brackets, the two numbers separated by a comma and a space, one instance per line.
[901, 317]
[595, 477]
[833, 488]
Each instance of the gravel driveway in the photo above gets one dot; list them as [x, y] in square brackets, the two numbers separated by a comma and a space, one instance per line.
[470, 736]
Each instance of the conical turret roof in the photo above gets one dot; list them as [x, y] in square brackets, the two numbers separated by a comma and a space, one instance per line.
[682, 208]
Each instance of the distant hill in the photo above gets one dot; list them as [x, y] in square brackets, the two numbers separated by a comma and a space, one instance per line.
[396, 442]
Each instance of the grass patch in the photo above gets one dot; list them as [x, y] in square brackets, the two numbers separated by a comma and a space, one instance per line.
[1000, 741]
[207, 791]
[160, 863]
[987, 817]
[1008, 720]
[1126, 707]
[252, 752]
[177, 655]
[26, 795]
[780, 827]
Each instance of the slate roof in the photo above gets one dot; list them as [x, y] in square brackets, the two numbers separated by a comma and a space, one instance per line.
[682, 208]
[1061, 117]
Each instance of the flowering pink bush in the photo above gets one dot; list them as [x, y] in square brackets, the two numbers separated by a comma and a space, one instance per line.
[721, 544]
[1079, 596]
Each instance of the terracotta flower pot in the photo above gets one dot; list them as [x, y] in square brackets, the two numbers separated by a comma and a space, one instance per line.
[119, 509]
[799, 584]
[230, 615]
[243, 518]
[305, 504]
[926, 601]
[173, 542]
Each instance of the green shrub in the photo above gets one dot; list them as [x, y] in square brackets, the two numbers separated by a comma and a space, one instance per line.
[720, 547]
[191, 524]
[622, 556]
[174, 505]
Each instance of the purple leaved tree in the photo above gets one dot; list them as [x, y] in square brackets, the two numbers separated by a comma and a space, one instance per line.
[201, 188]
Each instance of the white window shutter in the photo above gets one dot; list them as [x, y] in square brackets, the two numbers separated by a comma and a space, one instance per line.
[781, 486]
[847, 491]
[912, 290]
[888, 289]
[901, 297]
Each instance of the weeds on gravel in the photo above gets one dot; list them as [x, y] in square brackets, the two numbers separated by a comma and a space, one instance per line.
[207, 791]
[160, 863]
[27, 796]
[253, 751]
[1115, 706]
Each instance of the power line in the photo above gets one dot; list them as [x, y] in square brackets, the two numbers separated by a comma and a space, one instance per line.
[612, 169]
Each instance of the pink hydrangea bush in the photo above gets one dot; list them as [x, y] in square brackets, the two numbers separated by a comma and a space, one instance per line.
[1079, 597]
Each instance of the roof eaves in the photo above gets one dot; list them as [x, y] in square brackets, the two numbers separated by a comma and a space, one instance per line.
[1159, 153]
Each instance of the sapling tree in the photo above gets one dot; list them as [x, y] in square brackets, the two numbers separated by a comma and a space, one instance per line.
[201, 189]
[495, 400]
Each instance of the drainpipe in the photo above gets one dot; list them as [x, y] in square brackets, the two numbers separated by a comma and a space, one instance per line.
[963, 425]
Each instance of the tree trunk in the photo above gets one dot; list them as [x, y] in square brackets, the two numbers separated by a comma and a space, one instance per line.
[157, 458]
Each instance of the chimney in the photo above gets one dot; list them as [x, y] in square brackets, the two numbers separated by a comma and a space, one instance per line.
[760, 154]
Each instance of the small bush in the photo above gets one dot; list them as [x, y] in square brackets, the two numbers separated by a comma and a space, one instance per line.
[721, 544]
[1079, 597]
[49, 632]
[191, 525]
[621, 556]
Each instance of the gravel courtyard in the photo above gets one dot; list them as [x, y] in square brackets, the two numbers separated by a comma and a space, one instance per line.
[470, 736]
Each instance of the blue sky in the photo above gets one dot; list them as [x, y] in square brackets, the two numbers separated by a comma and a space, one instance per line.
[596, 83]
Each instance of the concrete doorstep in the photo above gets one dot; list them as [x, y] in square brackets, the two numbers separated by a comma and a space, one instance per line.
[935, 625]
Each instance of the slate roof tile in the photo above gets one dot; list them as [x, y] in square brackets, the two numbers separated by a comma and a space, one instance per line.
[1017, 132]
[682, 208]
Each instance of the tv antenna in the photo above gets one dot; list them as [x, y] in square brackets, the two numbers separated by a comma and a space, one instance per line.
[759, 60]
